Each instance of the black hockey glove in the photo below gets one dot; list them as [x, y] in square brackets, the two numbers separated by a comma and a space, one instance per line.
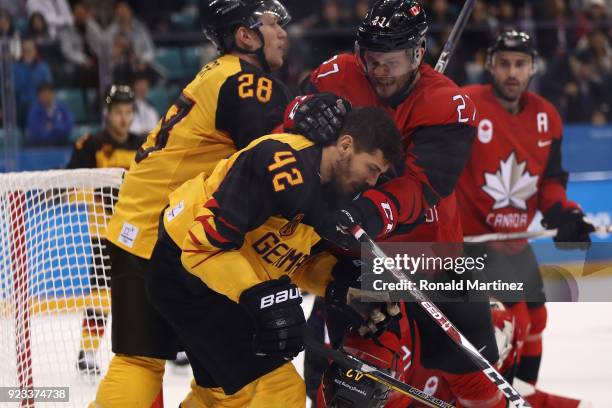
[277, 316]
[375, 210]
[573, 229]
[360, 310]
[336, 227]
[319, 117]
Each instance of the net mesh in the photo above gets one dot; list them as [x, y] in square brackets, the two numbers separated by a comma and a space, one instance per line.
[54, 297]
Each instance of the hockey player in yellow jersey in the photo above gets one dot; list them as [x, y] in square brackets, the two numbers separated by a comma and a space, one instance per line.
[113, 146]
[229, 247]
[233, 100]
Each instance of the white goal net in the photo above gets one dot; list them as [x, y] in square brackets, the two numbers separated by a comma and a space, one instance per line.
[54, 296]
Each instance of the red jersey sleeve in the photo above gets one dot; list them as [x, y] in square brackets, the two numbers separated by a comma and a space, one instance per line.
[442, 103]
[437, 153]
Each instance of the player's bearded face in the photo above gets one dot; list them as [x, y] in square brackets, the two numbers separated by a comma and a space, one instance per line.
[354, 172]
[389, 72]
[511, 72]
[275, 39]
[120, 118]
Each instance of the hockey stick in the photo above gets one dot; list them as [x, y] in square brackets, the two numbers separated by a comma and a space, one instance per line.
[348, 361]
[503, 236]
[451, 331]
[453, 38]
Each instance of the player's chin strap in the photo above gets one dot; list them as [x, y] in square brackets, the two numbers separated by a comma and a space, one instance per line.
[259, 53]
[349, 361]
[507, 236]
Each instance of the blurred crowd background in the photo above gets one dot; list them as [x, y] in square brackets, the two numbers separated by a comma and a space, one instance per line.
[64, 53]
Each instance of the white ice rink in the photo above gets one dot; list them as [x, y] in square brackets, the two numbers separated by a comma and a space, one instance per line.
[577, 356]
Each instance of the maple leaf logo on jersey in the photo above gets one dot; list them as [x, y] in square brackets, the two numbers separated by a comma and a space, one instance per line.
[512, 185]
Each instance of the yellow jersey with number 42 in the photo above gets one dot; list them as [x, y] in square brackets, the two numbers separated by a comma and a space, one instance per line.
[252, 219]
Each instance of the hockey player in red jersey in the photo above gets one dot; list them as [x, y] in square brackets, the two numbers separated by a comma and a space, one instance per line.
[515, 169]
[418, 204]
[402, 359]
[436, 119]
[396, 351]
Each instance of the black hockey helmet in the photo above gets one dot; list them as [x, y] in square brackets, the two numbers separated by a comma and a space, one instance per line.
[346, 388]
[512, 41]
[118, 94]
[391, 25]
[221, 18]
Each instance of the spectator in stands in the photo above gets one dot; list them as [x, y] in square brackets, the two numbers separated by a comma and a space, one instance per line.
[125, 63]
[361, 8]
[81, 44]
[483, 28]
[439, 13]
[557, 40]
[593, 16]
[597, 44]
[332, 14]
[56, 13]
[49, 121]
[101, 10]
[8, 30]
[325, 43]
[441, 17]
[49, 49]
[583, 99]
[135, 31]
[145, 115]
[157, 14]
[29, 73]
[507, 14]
[15, 8]
[305, 13]
[38, 29]
[123, 59]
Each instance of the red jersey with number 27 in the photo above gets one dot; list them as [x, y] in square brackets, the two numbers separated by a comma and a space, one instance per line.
[437, 121]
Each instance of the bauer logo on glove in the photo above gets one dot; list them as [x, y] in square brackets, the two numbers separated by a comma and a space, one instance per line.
[280, 297]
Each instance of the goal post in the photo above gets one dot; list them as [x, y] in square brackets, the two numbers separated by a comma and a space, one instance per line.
[52, 269]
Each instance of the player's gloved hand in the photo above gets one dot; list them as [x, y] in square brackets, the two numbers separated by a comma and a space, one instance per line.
[375, 210]
[336, 227]
[278, 318]
[573, 229]
[319, 117]
[370, 313]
